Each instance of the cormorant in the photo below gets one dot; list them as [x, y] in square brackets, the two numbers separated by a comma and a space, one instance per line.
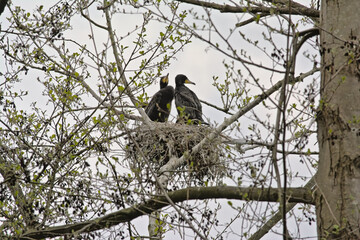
[159, 107]
[187, 101]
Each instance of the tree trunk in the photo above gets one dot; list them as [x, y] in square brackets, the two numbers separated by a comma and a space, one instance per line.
[338, 179]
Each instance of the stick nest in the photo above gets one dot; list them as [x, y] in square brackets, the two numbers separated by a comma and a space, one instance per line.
[168, 140]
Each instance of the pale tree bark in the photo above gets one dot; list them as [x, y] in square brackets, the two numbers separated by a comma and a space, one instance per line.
[338, 178]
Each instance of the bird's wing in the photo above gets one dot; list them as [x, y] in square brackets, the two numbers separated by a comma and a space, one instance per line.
[183, 99]
[196, 101]
[198, 107]
[188, 98]
[153, 104]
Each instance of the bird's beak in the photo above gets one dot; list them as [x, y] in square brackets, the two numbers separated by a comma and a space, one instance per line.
[165, 79]
[189, 82]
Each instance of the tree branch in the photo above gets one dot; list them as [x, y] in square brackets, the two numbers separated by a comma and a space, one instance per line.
[295, 195]
[175, 162]
[278, 216]
[225, 8]
[216, 107]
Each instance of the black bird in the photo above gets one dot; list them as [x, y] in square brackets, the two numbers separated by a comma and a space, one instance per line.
[159, 107]
[186, 101]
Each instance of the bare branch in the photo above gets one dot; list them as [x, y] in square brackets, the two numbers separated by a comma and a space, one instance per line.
[277, 217]
[225, 8]
[176, 162]
[295, 195]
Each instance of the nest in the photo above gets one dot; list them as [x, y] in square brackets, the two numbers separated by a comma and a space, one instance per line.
[168, 140]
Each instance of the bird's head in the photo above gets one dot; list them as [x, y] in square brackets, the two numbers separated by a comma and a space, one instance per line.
[164, 81]
[181, 79]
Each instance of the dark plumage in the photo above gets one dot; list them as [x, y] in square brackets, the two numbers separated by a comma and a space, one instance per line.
[159, 107]
[187, 100]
